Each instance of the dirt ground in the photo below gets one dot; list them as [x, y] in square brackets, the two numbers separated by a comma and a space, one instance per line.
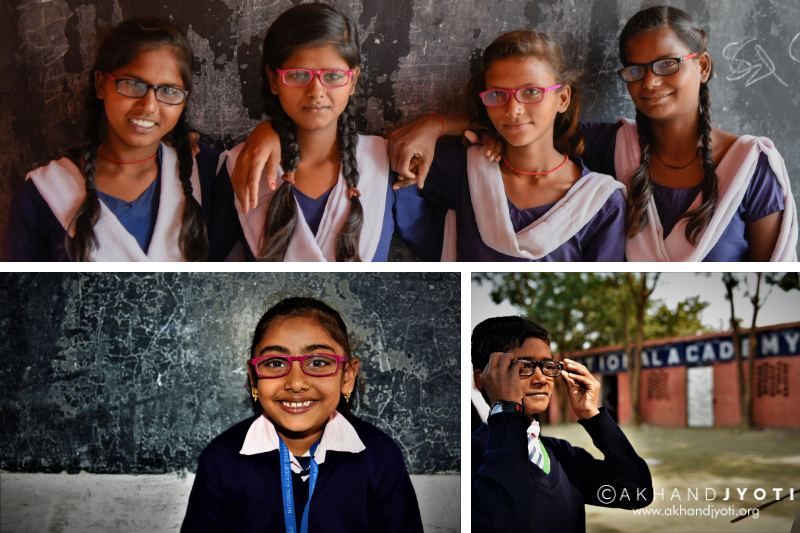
[683, 460]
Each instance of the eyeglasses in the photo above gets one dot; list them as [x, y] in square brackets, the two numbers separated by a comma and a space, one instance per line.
[525, 95]
[662, 67]
[300, 77]
[166, 94]
[551, 369]
[314, 364]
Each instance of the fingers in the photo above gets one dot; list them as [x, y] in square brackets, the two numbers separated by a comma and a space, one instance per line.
[423, 167]
[471, 136]
[497, 150]
[272, 176]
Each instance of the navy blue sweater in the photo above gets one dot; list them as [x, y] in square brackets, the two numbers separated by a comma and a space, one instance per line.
[511, 494]
[367, 491]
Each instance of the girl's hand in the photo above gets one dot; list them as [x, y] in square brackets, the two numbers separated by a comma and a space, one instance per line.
[500, 379]
[582, 388]
[495, 145]
[262, 148]
[411, 150]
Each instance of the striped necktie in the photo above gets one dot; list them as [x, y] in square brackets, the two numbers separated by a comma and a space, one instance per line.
[534, 450]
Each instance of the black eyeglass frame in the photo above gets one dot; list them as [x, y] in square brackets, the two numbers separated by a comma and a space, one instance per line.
[155, 88]
[652, 67]
[541, 364]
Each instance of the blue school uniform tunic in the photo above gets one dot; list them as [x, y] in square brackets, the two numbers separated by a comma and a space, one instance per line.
[420, 224]
[764, 195]
[447, 185]
[35, 234]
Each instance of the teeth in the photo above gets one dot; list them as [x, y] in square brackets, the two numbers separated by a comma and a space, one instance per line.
[143, 123]
[297, 404]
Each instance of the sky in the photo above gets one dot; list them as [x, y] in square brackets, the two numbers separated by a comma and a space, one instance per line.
[673, 287]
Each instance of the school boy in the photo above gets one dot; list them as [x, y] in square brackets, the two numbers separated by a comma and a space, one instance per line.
[522, 482]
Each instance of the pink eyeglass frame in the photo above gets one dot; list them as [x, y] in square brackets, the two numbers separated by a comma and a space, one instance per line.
[282, 74]
[516, 94]
[292, 358]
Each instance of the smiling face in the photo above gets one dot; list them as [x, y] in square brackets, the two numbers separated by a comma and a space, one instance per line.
[314, 107]
[141, 122]
[670, 96]
[299, 404]
[524, 124]
[537, 389]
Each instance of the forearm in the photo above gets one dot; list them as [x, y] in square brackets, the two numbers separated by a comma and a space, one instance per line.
[622, 467]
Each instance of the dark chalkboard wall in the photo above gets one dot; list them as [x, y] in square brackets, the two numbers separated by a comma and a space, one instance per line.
[136, 373]
[417, 56]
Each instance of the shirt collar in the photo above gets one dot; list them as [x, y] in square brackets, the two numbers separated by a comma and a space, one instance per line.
[339, 436]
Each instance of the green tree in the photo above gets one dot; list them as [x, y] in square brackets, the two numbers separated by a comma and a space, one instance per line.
[641, 291]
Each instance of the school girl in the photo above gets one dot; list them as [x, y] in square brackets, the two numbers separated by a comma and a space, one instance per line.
[124, 196]
[334, 201]
[687, 201]
[304, 464]
[541, 203]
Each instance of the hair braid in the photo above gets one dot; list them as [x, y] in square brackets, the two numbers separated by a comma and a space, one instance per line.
[194, 236]
[84, 241]
[700, 217]
[641, 185]
[348, 239]
[281, 218]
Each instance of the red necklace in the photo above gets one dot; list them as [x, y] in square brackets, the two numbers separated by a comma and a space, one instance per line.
[566, 158]
[130, 162]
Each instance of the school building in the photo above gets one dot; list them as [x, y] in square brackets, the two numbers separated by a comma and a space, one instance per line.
[691, 381]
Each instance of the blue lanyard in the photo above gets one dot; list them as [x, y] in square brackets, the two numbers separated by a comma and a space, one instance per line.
[286, 485]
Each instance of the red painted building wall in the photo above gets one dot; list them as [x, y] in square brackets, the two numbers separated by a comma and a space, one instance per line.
[727, 410]
[662, 396]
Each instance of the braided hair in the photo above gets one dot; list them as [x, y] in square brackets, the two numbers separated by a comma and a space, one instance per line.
[121, 45]
[308, 26]
[567, 138]
[641, 183]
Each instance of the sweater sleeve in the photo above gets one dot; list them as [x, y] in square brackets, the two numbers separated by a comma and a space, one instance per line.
[623, 470]
[393, 507]
[208, 510]
[499, 475]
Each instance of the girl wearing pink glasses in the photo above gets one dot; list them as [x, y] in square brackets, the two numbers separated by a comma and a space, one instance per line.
[333, 201]
[305, 464]
[539, 203]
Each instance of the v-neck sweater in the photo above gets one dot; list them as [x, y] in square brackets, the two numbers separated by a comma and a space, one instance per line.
[511, 494]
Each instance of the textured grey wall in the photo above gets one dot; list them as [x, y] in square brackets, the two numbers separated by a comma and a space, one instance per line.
[417, 56]
[136, 373]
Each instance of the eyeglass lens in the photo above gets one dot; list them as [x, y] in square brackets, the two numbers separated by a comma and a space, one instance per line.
[137, 89]
[315, 365]
[527, 95]
[299, 78]
[664, 67]
[549, 368]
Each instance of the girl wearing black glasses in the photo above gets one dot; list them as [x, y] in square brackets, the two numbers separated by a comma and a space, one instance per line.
[305, 464]
[696, 193]
[123, 196]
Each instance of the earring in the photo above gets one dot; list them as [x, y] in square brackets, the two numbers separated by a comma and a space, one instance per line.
[254, 392]
[347, 396]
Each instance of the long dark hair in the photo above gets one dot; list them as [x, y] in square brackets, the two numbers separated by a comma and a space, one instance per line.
[567, 138]
[327, 317]
[641, 185]
[309, 26]
[123, 43]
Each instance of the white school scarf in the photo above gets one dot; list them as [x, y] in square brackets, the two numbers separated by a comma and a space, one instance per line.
[373, 168]
[63, 187]
[734, 173]
[571, 213]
